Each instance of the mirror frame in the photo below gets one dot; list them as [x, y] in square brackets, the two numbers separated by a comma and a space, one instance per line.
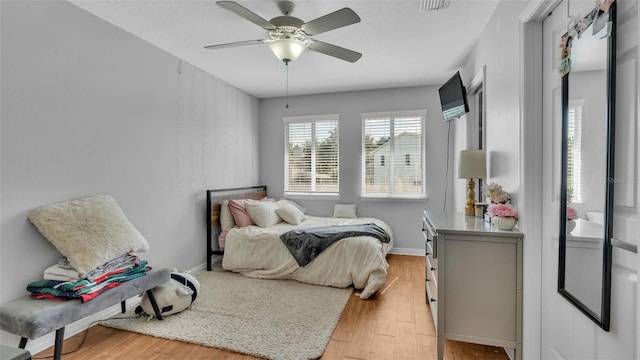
[603, 317]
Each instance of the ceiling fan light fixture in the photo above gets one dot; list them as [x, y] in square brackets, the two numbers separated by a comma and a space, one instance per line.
[287, 49]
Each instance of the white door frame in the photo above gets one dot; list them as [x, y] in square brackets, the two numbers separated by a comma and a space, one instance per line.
[531, 169]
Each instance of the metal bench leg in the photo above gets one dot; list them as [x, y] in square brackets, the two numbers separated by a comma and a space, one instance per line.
[57, 350]
[152, 300]
[23, 342]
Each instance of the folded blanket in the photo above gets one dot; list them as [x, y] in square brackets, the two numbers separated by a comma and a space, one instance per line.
[57, 272]
[85, 289]
[121, 262]
[306, 244]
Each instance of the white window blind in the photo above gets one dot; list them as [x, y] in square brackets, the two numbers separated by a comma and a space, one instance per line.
[311, 154]
[574, 153]
[393, 150]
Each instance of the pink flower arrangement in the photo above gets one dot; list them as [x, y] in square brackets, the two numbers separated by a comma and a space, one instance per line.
[502, 210]
[572, 213]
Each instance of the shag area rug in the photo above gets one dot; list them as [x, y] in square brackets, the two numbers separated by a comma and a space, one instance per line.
[273, 319]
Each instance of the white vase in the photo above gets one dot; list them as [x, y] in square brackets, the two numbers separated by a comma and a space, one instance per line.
[504, 223]
[571, 224]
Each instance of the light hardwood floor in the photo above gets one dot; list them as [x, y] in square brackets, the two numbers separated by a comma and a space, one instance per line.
[395, 324]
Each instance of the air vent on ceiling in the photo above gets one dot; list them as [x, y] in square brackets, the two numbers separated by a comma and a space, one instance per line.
[430, 5]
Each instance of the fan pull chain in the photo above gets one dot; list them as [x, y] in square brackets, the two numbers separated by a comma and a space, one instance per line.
[286, 63]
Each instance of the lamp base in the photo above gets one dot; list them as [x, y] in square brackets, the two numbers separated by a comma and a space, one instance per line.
[470, 203]
[469, 211]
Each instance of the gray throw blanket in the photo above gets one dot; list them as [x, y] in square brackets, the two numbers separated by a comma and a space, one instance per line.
[306, 244]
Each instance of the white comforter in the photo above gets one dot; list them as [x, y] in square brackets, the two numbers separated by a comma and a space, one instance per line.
[359, 261]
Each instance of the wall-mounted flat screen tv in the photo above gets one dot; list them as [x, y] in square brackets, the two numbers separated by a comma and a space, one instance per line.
[453, 98]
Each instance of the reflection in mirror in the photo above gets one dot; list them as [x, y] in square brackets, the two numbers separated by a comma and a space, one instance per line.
[585, 228]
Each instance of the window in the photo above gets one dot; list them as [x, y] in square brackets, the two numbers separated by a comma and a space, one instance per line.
[393, 139]
[574, 152]
[311, 154]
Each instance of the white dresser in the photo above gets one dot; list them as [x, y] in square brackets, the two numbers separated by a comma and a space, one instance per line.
[473, 281]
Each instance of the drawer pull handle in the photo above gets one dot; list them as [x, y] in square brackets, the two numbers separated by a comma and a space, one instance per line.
[433, 269]
[427, 279]
[432, 300]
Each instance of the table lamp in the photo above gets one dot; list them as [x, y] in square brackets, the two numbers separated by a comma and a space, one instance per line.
[472, 164]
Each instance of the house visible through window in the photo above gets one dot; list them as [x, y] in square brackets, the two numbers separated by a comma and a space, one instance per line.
[311, 154]
[389, 143]
[574, 152]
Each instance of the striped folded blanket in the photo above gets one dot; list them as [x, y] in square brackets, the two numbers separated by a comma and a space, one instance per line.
[85, 290]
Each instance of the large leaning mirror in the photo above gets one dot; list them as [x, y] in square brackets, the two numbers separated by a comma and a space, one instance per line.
[586, 195]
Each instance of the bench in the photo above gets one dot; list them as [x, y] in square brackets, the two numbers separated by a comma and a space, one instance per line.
[32, 318]
[9, 353]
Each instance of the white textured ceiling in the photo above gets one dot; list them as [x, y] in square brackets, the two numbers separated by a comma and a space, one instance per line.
[401, 45]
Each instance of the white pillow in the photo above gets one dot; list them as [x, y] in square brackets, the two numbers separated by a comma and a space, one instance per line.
[89, 231]
[344, 210]
[290, 213]
[263, 213]
[226, 219]
[287, 201]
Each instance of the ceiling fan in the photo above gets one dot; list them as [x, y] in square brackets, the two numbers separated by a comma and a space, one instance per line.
[290, 36]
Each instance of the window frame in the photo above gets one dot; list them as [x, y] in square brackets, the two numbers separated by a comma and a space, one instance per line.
[393, 115]
[312, 119]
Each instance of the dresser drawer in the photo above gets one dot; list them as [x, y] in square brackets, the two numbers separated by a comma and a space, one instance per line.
[431, 237]
[429, 252]
[432, 269]
[432, 297]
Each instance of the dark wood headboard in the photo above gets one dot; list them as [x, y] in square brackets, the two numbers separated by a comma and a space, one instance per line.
[214, 202]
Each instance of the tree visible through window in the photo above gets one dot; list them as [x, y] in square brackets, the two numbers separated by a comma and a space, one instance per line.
[389, 143]
[311, 154]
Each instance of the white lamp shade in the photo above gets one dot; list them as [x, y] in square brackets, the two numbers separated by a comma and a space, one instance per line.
[287, 49]
[472, 164]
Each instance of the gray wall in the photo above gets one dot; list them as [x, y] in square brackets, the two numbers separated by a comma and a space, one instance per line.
[90, 109]
[499, 52]
[404, 216]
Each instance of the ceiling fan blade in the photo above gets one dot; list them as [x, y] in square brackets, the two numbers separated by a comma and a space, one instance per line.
[247, 14]
[334, 20]
[234, 44]
[335, 51]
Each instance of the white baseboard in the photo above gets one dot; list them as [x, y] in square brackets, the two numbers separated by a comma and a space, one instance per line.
[407, 251]
[510, 353]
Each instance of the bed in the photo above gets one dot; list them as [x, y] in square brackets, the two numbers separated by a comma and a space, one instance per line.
[259, 252]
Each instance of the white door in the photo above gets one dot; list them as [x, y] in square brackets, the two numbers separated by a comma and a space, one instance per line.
[566, 332]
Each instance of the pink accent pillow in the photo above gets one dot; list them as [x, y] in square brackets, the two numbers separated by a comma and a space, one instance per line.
[222, 238]
[239, 213]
